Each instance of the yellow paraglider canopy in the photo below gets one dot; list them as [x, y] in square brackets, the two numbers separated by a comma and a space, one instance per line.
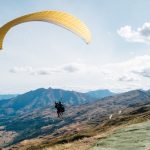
[56, 17]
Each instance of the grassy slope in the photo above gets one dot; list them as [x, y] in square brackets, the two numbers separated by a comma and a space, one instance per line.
[134, 137]
[82, 136]
[118, 124]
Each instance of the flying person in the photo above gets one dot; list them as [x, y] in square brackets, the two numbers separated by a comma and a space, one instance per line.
[60, 109]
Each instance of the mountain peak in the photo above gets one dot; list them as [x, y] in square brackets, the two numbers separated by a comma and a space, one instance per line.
[100, 93]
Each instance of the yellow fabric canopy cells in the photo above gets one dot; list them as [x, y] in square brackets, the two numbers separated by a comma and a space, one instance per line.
[56, 17]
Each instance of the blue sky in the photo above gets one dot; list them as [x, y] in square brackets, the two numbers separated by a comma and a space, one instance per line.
[38, 54]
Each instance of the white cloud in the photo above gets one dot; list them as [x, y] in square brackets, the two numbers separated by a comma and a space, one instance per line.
[129, 74]
[32, 71]
[67, 68]
[74, 67]
[145, 72]
[21, 69]
[140, 35]
[127, 79]
[128, 70]
[79, 67]
[71, 68]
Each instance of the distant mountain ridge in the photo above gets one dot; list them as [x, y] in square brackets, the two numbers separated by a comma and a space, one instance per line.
[7, 96]
[44, 98]
[41, 98]
[100, 93]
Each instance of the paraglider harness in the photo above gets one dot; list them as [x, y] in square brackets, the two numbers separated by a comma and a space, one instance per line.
[62, 108]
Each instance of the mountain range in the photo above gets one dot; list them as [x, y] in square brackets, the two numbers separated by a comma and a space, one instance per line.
[7, 96]
[43, 125]
[42, 98]
[100, 93]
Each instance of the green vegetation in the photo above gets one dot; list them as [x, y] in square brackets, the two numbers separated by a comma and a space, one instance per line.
[135, 137]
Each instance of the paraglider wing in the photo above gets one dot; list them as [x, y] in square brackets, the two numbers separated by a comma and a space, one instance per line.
[56, 17]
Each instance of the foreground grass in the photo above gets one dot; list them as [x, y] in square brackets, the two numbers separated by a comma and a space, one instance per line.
[82, 144]
[102, 133]
[86, 136]
[134, 137]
